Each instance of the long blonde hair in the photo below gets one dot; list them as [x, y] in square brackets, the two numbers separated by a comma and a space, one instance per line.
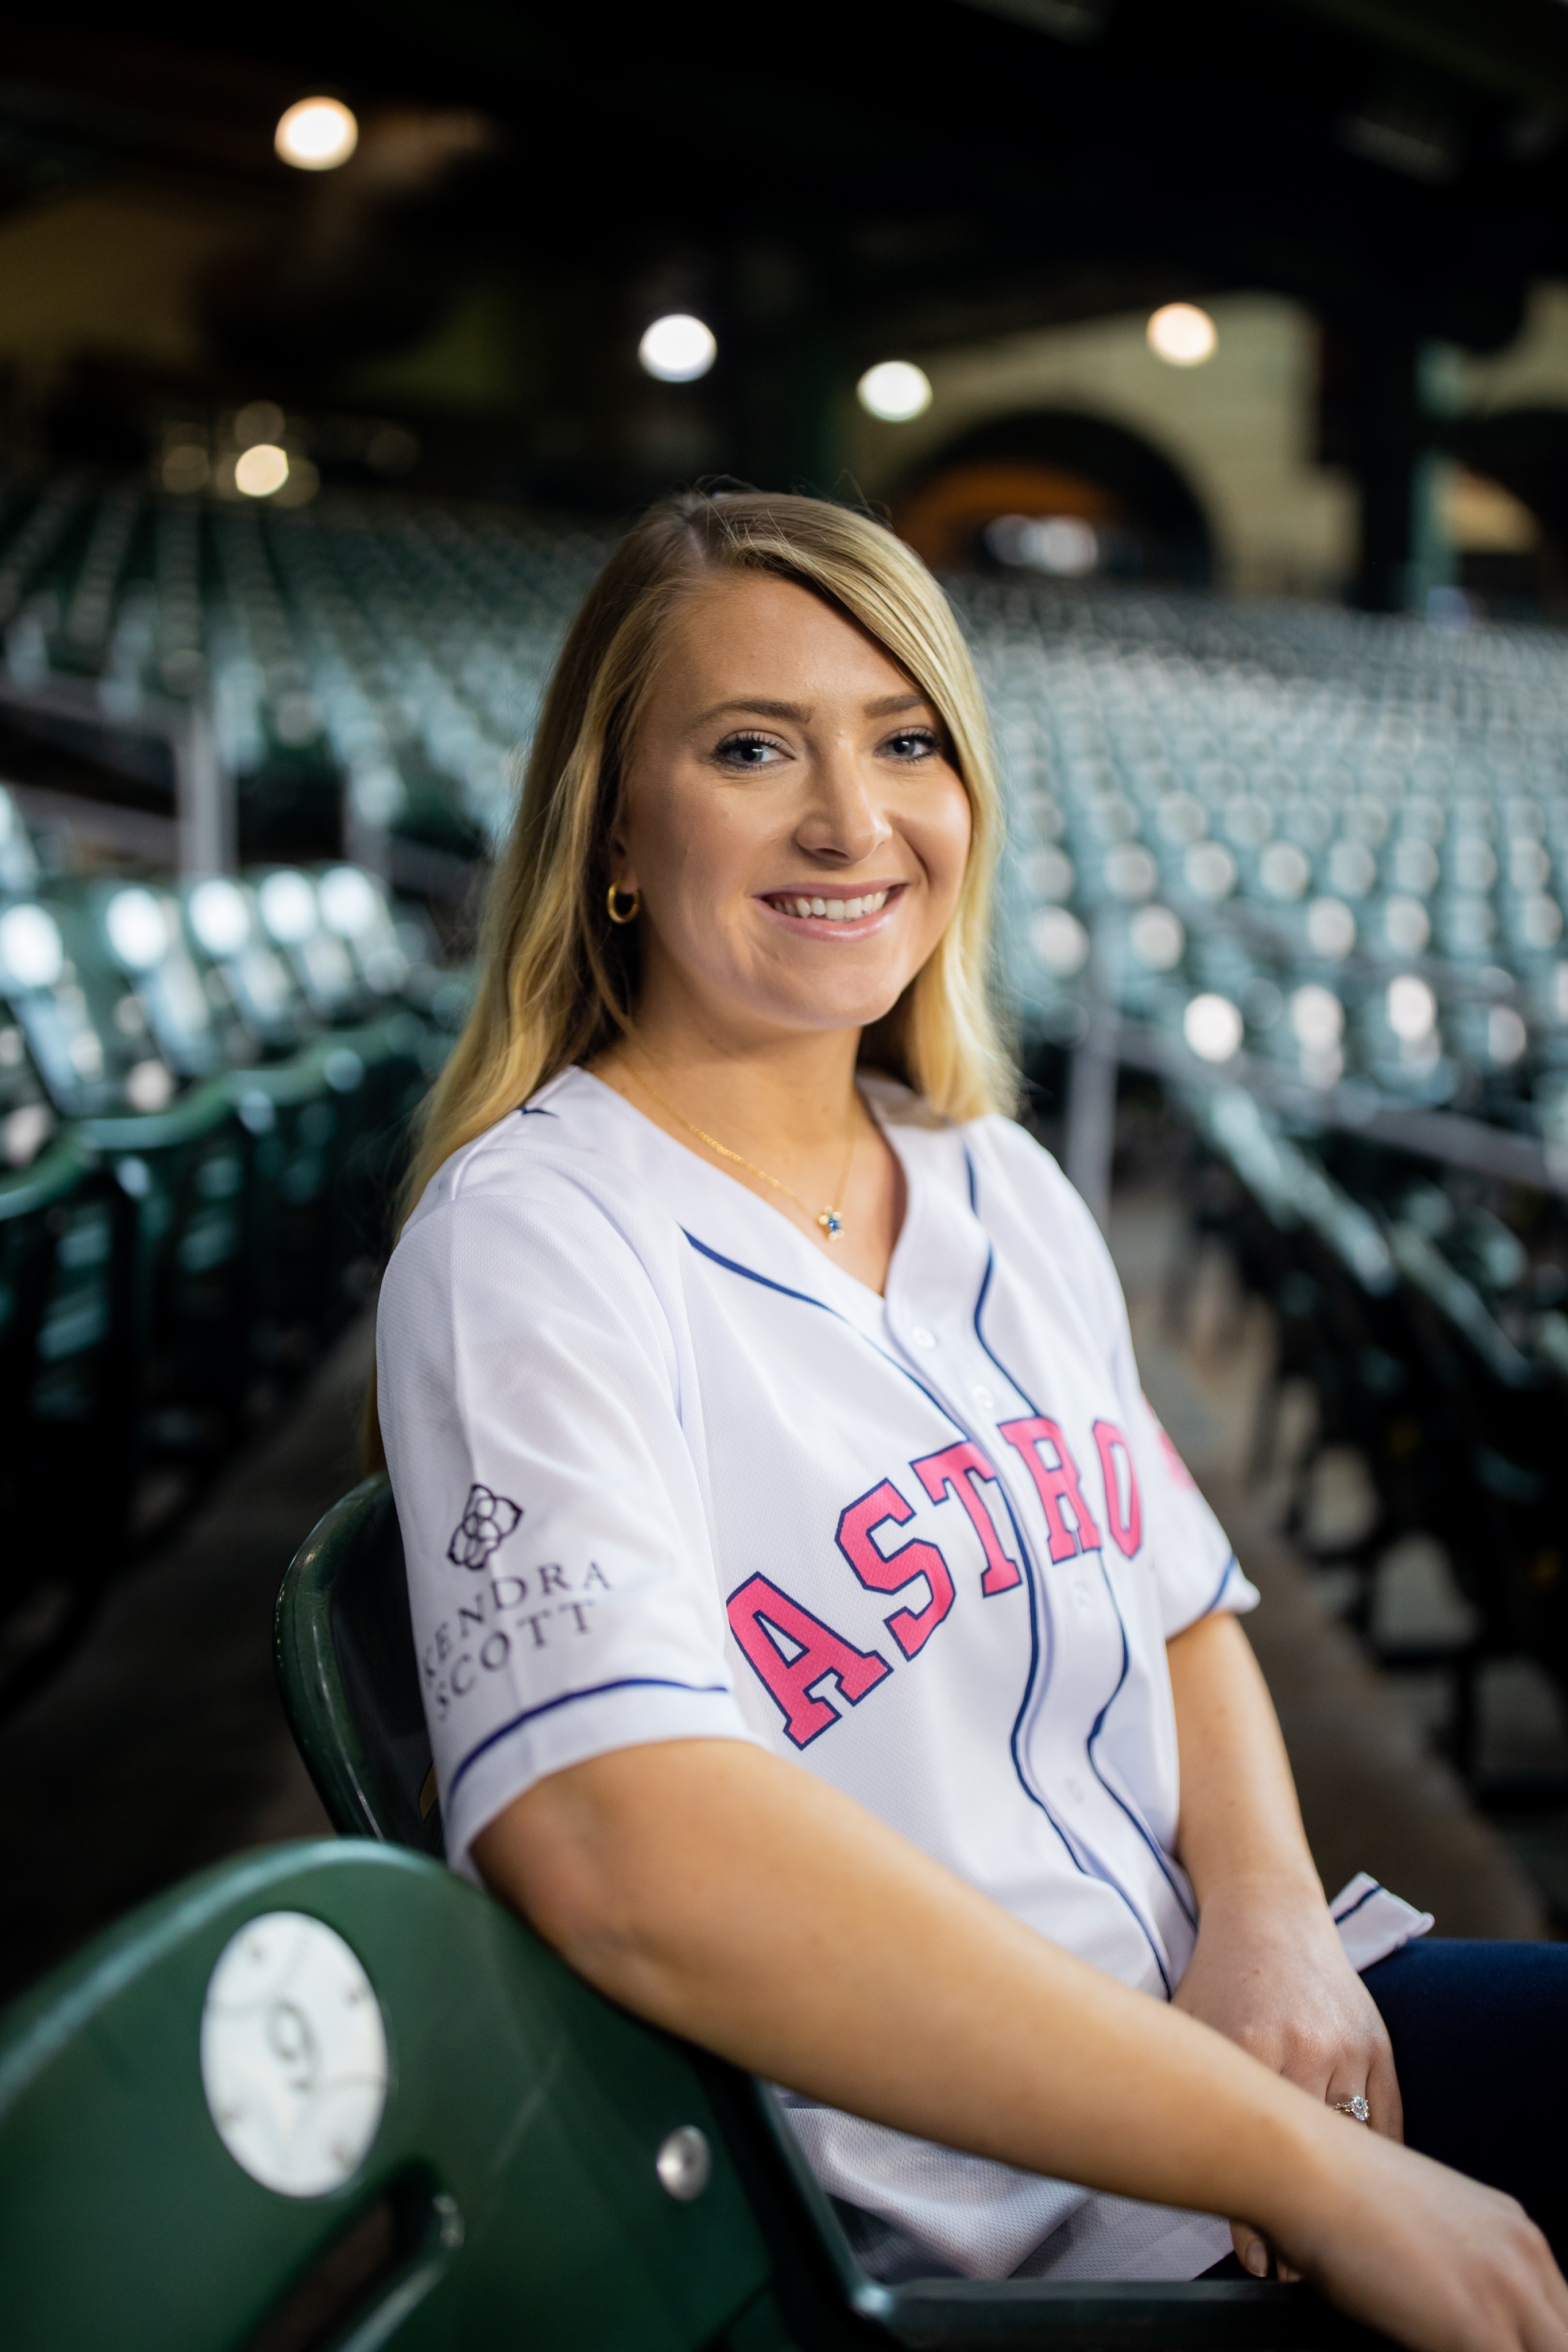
[558, 982]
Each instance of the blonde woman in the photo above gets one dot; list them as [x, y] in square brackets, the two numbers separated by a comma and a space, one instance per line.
[813, 1617]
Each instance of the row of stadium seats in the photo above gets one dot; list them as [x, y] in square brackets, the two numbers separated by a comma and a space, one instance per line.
[392, 647]
[1312, 867]
[1336, 846]
[203, 1092]
[1436, 1344]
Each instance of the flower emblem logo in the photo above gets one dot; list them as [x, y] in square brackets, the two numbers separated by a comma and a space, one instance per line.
[487, 1520]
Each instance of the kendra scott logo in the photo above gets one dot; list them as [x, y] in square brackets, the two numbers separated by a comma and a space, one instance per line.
[487, 1520]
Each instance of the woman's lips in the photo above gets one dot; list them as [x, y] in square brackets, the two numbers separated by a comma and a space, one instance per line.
[839, 914]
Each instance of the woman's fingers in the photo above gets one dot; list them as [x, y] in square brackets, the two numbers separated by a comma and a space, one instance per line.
[1252, 2248]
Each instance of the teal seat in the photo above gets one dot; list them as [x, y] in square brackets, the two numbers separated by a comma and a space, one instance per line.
[184, 1173]
[350, 1683]
[67, 1406]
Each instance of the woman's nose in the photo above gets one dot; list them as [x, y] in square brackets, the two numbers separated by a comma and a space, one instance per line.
[844, 818]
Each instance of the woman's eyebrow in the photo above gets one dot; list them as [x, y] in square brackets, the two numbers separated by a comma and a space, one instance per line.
[885, 707]
[758, 709]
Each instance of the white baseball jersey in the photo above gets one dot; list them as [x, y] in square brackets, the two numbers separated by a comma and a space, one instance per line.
[665, 1471]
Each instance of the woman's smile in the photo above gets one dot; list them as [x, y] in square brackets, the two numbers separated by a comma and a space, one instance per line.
[812, 912]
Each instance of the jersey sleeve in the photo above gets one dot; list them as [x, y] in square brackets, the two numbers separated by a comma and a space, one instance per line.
[563, 1599]
[1193, 1558]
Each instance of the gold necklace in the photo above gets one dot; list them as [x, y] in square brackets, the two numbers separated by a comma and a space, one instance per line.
[830, 1219]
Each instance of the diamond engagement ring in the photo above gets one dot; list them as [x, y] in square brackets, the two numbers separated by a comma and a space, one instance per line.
[1356, 2108]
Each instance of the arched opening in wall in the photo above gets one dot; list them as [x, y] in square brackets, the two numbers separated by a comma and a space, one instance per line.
[1057, 493]
[1503, 509]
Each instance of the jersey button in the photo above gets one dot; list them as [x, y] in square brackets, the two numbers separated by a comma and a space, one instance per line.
[921, 1337]
[983, 1396]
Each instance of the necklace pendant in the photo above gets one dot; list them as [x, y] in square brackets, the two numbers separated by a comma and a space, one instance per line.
[832, 1224]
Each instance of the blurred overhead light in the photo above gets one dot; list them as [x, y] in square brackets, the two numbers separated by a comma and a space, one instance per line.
[677, 349]
[260, 471]
[1181, 335]
[317, 134]
[894, 389]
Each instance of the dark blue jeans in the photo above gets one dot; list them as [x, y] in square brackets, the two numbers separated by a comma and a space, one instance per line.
[1481, 2043]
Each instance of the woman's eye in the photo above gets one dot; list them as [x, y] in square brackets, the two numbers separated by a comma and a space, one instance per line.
[912, 743]
[747, 751]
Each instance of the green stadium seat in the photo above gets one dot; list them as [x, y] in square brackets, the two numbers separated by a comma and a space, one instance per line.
[65, 1404]
[343, 1646]
[349, 1684]
[184, 1173]
[329, 2093]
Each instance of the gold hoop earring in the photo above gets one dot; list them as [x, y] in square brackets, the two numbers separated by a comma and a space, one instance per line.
[631, 912]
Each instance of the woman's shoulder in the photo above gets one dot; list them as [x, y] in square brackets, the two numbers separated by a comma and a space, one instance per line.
[556, 1166]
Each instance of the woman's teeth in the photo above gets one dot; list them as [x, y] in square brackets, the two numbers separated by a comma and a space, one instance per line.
[836, 910]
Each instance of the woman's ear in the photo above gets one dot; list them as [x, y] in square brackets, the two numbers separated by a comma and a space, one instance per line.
[620, 869]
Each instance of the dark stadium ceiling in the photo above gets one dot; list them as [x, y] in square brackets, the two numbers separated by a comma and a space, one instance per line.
[887, 177]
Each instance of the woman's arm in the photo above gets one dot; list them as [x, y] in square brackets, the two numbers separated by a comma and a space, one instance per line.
[734, 1899]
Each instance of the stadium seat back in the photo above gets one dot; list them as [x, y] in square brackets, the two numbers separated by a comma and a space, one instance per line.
[330, 2095]
[65, 1402]
[349, 1676]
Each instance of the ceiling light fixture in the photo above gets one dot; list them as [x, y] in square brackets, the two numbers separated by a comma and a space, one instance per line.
[261, 469]
[317, 134]
[677, 349]
[1183, 335]
[895, 391]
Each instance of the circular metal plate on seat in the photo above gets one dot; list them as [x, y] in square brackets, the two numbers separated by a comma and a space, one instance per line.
[294, 2054]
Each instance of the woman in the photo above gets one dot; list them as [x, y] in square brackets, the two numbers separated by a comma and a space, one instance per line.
[810, 1611]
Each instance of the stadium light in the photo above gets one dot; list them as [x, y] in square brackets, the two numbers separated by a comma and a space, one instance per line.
[1181, 335]
[677, 349]
[317, 134]
[895, 391]
[261, 469]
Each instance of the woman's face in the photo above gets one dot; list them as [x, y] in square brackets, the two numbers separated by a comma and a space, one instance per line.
[792, 817]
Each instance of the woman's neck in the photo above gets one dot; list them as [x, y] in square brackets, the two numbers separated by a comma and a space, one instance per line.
[791, 1096]
[781, 1117]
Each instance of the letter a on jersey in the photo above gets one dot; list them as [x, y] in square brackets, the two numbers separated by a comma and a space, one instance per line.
[792, 1652]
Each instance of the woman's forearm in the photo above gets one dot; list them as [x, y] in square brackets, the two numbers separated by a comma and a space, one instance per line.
[1240, 1824]
[735, 1900]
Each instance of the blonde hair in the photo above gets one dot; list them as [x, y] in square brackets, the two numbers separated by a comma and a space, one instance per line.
[558, 982]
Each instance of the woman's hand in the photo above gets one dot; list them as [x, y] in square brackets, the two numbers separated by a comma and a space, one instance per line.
[1270, 1973]
[1432, 2259]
